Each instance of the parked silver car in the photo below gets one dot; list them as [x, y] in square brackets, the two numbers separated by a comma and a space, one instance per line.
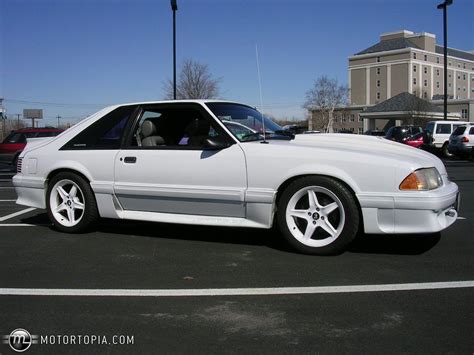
[461, 141]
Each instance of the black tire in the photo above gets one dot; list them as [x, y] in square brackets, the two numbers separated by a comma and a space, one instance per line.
[89, 214]
[445, 152]
[348, 224]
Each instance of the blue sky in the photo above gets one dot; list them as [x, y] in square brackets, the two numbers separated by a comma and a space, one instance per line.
[72, 57]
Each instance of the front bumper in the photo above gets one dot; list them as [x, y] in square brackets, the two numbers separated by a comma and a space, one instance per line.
[6, 158]
[416, 212]
[30, 191]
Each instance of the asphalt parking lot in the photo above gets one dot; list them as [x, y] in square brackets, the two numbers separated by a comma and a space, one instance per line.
[321, 313]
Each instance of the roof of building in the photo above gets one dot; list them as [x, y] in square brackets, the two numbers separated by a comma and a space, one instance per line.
[456, 53]
[404, 102]
[389, 45]
[400, 43]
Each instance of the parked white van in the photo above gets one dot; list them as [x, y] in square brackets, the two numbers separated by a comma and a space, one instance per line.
[439, 132]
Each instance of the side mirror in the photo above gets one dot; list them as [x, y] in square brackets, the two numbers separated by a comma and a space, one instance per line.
[216, 143]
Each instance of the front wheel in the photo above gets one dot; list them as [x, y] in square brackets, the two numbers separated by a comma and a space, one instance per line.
[71, 203]
[318, 215]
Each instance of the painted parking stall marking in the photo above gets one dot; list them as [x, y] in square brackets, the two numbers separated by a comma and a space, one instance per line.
[233, 291]
[19, 213]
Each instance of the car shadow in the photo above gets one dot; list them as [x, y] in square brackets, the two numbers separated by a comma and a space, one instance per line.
[409, 244]
[363, 244]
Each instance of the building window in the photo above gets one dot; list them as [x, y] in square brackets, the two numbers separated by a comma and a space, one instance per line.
[426, 70]
[378, 83]
[414, 81]
[425, 82]
[449, 63]
[425, 95]
[426, 58]
[437, 84]
[464, 89]
[464, 113]
[343, 118]
[414, 55]
[459, 77]
[360, 130]
[464, 77]
[378, 96]
[378, 59]
[378, 71]
[360, 118]
[464, 65]
[437, 72]
[352, 117]
[449, 84]
[414, 68]
[437, 60]
[449, 75]
[459, 65]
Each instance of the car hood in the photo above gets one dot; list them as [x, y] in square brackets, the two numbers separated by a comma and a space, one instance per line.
[368, 145]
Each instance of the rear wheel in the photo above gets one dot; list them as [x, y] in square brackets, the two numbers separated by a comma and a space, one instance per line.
[71, 203]
[445, 152]
[318, 215]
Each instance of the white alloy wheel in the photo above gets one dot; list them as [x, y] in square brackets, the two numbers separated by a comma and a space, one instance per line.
[67, 203]
[315, 216]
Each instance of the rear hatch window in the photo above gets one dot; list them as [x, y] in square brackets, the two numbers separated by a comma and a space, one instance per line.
[459, 131]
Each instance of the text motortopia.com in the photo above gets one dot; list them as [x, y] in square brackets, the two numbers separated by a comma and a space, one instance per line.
[21, 340]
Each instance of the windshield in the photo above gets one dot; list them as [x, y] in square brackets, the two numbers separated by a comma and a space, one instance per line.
[244, 122]
[459, 131]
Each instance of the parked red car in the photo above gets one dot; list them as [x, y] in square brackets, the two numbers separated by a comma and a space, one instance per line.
[415, 141]
[15, 142]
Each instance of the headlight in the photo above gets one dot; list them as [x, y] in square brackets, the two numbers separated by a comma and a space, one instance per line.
[422, 180]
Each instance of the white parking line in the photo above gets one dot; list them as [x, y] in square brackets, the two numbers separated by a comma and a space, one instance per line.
[4, 218]
[232, 291]
[23, 225]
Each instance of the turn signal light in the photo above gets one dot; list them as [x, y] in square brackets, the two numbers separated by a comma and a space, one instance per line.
[422, 179]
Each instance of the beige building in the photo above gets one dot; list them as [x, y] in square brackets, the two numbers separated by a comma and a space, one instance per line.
[404, 61]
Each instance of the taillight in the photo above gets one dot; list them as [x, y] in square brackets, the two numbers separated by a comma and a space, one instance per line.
[18, 165]
[465, 139]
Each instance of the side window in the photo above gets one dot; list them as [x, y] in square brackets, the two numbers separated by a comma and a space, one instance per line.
[172, 128]
[471, 131]
[106, 133]
[443, 128]
[15, 138]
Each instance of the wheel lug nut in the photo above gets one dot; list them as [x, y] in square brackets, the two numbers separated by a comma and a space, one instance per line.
[314, 222]
[309, 213]
[317, 209]
[322, 217]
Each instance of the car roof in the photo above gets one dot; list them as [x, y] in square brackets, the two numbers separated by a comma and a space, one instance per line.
[188, 101]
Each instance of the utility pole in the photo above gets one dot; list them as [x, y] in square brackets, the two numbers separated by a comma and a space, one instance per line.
[18, 120]
[444, 7]
[58, 117]
[174, 7]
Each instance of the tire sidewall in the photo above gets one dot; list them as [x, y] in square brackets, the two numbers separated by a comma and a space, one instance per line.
[350, 207]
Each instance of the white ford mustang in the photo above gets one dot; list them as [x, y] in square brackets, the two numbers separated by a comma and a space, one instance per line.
[208, 162]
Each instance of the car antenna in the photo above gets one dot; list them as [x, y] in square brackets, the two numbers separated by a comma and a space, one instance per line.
[261, 100]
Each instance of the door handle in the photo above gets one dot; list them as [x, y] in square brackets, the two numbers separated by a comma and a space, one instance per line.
[130, 160]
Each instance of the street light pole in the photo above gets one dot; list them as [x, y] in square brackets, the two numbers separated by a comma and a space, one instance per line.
[174, 7]
[444, 6]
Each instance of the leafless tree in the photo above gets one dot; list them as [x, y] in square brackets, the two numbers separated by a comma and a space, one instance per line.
[325, 95]
[418, 110]
[194, 82]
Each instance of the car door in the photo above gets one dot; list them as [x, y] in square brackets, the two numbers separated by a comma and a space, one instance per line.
[442, 133]
[164, 166]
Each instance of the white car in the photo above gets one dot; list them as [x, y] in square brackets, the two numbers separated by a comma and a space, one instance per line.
[179, 162]
[439, 132]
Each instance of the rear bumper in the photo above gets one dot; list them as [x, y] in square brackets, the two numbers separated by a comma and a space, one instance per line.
[459, 149]
[417, 212]
[30, 191]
